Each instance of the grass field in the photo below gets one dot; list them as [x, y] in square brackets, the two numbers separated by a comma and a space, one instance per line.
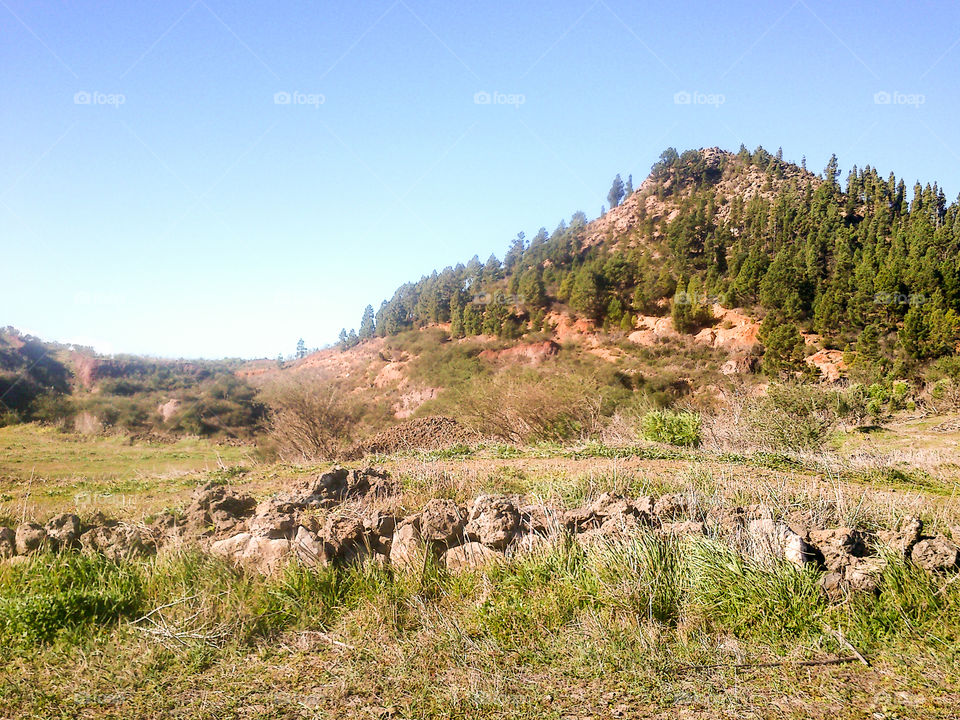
[645, 628]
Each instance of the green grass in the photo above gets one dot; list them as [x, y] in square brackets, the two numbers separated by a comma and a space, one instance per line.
[674, 428]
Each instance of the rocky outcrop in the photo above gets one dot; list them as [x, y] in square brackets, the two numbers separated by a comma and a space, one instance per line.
[493, 521]
[63, 531]
[30, 538]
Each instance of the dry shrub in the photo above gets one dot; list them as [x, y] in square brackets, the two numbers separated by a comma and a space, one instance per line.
[311, 417]
[522, 405]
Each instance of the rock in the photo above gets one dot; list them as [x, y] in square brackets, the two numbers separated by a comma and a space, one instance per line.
[468, 557]
[727, 519]
[493, 520]
[119, 541]
[612, 510]
[407, 547]
[620, 526]
[901, 541]
[30, 538]
[935, 554]
[687, 527]
[274, 518]
[859, 574]
[264, 554]
[8, 543]
[308, 547]
[217, 509]
[536, 518]
[343, 539]
[381, 524]
[772, 539]
[674, 505]
[442, 522]
[838, 546]
[63, 531]
[341, 484]
[530, 543]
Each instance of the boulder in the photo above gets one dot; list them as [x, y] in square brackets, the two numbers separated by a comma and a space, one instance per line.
[30, 538]
[274, 518]
[63, 531]
[936, 554]
[442, 523]
[468, 557]
[381, 524]
[407, 548]
[727, 519]
[612, 510]
[217, 509]
[772, 539]
[119, 541]
[339, 484]
[308, 547]
[901, 542]
[8, 543]
[256, 552]
[839, 546]
[672, 506]
[537, 518]
[493, 520]
[343, 539]
[859, 574]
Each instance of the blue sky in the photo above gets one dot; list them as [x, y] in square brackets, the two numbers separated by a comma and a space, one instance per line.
[219, 179]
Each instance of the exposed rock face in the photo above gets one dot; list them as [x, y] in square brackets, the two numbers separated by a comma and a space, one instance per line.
[8, 543]
[468, 557]
[119, 541]
[772, 539]
[63, 531]
[274, 518]
[30, 538]
[308, 547]
[493, 521]
[936, 554]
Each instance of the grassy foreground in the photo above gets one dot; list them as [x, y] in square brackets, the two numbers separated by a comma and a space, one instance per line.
[643, 628]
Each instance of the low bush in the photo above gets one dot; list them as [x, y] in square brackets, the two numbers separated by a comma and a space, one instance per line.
[674, 428]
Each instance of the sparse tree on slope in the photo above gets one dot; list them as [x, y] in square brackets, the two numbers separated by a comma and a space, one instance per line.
[616, 192]
[367, 323]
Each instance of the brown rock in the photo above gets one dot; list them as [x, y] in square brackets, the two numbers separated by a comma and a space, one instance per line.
[343, 539]
[936, 554]
[407, 548]
[264, 554]
[901, 541]
[218, 509]
[119, 541]
[8, 543]
[493, 521]
[772, 539]
[30, 538]
[442, 522]
[63, 531]
[838, 546]
[274, 518]
[687, 527]
[674, 505]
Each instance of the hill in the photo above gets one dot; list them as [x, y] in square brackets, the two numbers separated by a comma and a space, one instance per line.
[865, 267]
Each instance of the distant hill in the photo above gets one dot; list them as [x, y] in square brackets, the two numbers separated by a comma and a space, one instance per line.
[867, 265]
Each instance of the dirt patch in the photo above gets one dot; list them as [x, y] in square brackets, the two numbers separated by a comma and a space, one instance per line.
[529, 353]
[432, 433]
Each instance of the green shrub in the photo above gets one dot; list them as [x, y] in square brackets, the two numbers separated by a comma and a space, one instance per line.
[675, 428]
[63, 593]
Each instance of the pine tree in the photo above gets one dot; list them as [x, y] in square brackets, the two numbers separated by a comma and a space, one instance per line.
[616, 192]
[367, 324]
[629, 187]
[301, 349]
